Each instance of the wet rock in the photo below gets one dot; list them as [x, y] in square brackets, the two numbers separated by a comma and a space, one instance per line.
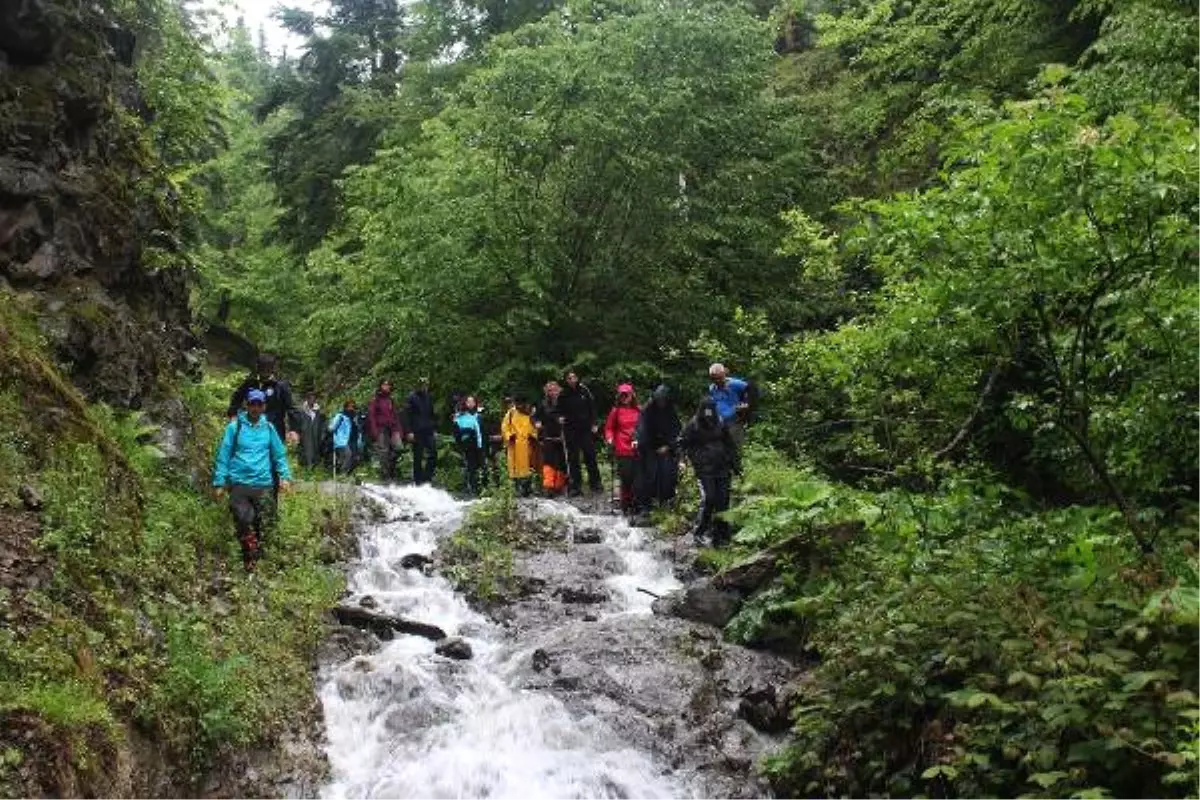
[368, 601]
[590, 618]
[589, 536]
[540, 660]
[701, 602]
[345, 642]
[30, 497]
[27, 31]
[454, 647]
[764, 709]
[586, 595]
[385, 625]
[748, 575]
[415, 561]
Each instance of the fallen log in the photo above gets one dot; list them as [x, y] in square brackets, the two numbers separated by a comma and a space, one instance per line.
[383, 625]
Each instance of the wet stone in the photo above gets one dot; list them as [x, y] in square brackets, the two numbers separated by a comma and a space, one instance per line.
[454, 647]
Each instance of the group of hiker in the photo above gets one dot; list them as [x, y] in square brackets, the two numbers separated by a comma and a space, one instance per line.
[552, 441]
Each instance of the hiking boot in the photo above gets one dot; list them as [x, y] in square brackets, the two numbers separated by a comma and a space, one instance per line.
[575, 492]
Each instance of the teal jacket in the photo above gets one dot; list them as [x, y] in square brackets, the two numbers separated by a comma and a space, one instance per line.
[258, 446]
[466, 427]
[340, 427]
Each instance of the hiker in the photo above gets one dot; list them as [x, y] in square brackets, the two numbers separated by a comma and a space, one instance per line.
[251, 462]
[619, 431]
[708, 444]
[312, 430]
[520, 440]
[468, 437]
[422, 432]
[360, 444]
[343, 430]
[732, 398]
[579, 409]
[657, 433]
[385, 430]
[280, 408]
[493, 441]
[550, 423]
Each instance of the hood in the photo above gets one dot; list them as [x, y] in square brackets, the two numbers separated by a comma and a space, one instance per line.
[707, 412]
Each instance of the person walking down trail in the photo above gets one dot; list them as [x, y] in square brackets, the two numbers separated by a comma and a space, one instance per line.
[385, 430]
[708, 445]
[468, 436]
[312, 430]
[579, 409]
[280, 408]
[733, 399]
[620, 431]
[657, 434]
[422, 432]
[520, 440]
[551, 426]
[250, 459]
[343, 429]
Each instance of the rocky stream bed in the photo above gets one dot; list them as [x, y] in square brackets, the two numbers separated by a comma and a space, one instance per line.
[585, 686]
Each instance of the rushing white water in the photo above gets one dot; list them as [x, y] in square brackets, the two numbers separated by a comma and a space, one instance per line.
[406, 722]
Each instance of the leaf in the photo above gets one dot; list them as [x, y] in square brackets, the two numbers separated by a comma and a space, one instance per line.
[1048, 779]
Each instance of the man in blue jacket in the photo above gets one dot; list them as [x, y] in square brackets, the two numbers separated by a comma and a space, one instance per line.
[732, 397]
[250, 458]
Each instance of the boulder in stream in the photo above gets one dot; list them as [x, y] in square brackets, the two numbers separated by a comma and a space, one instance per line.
[454, 647]
[700, 601]
[415, 561]
[585, 595]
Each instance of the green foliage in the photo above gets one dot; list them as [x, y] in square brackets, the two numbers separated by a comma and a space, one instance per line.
[478, 557]
[142, 613]
[558, 197]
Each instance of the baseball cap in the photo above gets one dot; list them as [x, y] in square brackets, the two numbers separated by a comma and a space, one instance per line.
[625, 388]
[256, 396]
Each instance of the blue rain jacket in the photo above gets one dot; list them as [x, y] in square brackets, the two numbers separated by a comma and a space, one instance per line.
[727, 397]
[258, 446]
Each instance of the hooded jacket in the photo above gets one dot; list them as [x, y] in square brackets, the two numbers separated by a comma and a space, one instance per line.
[579, 407]
[259, 446]
[707, 443]
[659, 426]
[467, 433]
[382, 416]
[620, 429]
[421, 417]
[342, 428]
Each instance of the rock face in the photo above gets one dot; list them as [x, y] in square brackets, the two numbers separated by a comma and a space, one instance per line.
[81, 213]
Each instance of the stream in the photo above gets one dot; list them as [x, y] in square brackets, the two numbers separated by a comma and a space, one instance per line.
[406, 723]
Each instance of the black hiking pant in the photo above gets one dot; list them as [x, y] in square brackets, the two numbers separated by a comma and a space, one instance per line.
[659, 479]
[424, 453]
[714, 498]
[253, 509]
[473, 470]
[580, 443]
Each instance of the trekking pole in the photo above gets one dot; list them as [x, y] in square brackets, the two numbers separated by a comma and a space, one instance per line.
[566, 460]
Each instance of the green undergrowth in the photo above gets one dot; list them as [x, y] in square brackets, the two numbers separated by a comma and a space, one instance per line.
[970, 642]
[126, 611]
[478, 557]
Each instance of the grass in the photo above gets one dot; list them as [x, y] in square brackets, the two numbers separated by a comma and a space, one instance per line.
[145, 618]
[478, 558]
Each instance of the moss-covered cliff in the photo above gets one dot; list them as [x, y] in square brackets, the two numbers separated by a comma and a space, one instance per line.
[135, 658]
